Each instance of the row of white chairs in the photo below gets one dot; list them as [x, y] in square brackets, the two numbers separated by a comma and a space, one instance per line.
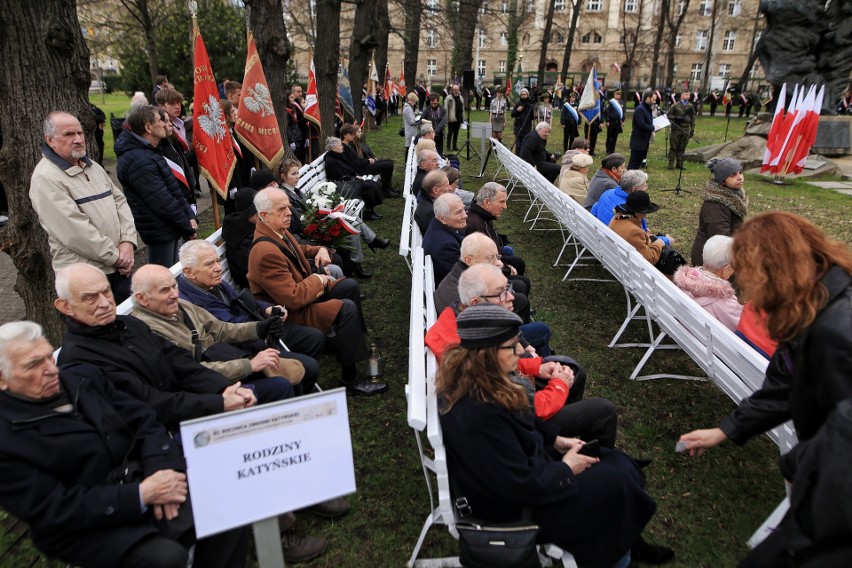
[736, 368]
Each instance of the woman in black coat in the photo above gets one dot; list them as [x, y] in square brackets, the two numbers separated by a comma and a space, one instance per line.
[803, 281]
[504, 460]
[339, 167]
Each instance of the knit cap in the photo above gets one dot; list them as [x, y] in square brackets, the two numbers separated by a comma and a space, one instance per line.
[723, 168]
[486, 325]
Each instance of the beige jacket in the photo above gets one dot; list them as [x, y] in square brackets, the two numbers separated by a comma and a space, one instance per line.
[212, 330]
[574, 184]
[84, 214]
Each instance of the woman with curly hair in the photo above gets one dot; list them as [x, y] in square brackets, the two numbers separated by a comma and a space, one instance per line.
[504, 460]
[802, 280]
[725, 205]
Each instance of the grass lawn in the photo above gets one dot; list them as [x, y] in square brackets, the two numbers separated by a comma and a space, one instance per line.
[707, 507]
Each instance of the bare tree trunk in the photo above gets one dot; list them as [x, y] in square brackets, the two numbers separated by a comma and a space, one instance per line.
[411, 40]
[755, 51]
[545, 41]
[266, 20]
[658, 42]
[569, 43]
[41, 45]
[464, 28]
[708, 58]
[139, 11]
[363, 42]
[674, 28]
[383, 28]
[512, 25]
[326, 61]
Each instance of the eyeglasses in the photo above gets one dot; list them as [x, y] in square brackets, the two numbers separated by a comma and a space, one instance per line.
[503, 295]
[514, 346]
[493, 257]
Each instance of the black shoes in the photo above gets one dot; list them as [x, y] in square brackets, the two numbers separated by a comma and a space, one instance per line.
[372, 216]
[378, 243]
[330, 509]
[648, 553]
[392, 193]
[362, 386]
[359, 271]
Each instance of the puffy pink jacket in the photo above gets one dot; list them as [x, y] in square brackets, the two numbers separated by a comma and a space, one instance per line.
[715, 295]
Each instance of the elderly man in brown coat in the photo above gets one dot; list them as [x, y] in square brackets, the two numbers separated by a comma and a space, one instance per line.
[279, 272]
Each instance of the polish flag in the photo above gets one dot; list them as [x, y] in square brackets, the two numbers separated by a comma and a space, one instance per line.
[775, 164]
[809, 129]
[312, 110]
[774, 130]
[795, 134]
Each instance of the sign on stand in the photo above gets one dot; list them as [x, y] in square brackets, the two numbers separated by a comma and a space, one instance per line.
[252, 465]
[482, 130]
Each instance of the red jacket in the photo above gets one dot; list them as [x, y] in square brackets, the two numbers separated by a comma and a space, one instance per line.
[548, 400]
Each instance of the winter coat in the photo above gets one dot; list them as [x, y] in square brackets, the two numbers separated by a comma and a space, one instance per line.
[630, 229]
[715, 295]
[806, 377]
[574, 184]
[339, 166]
[643, 128]
[717, 217]
[443, 243]
[160, 210]
[148, 367]
[56, 467]
[600, 183]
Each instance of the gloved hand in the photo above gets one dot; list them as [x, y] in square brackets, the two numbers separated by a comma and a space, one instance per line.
[691, 133]
[270, 327]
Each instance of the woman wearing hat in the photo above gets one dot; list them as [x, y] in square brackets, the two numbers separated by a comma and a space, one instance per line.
[627, 223]
[410, 120]
[575, 178]
[504, 460]
[725, 204]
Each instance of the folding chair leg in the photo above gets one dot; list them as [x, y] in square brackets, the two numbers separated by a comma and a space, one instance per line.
[426, 526]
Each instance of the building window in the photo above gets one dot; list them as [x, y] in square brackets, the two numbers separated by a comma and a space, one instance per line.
[695, 74]
[504, 7]
[432, 5]
[480, 68]
[483, 38]
[526, 40]
[484, 9]
[557, 38]
[681, 7]
[701, 37]
[725, 70]
[501, 66]
[431, 39]
[631, 6]
[674, 70]
[559, 5]
[530, 7]
[504, 39]
[705, 8]
[729, 40]
[678, 40]
[431, 67]
[591, 37]
[594, 5]
[735, 7]
[755, 71]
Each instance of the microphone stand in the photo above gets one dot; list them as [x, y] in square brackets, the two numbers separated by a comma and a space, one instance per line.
[677, 189]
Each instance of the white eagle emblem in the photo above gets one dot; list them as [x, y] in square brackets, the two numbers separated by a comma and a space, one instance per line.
[212, 122]
[259, 100]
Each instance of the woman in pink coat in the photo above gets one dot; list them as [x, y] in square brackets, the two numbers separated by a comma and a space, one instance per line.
[708, 285]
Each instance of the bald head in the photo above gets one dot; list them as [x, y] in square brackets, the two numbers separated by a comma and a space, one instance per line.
[427, 160]
[155, 288]
[83, 294]
[436, 183]
[478, 248]
[449, 210]
[481, 280]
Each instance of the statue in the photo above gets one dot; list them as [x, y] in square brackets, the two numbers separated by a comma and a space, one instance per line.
[808, 42]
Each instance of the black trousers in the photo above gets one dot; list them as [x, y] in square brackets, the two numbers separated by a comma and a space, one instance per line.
[636, 159]
[453, 135]
[611, 140]
[383, 168]
[370, 193]
[439, 143]
[592, 136]
[120, 286]
[349, 326]
[549, 170]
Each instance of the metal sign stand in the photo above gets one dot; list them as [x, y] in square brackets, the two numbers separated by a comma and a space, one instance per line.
[267, 540]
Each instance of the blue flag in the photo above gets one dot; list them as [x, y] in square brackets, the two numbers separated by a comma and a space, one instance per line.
[344, 93]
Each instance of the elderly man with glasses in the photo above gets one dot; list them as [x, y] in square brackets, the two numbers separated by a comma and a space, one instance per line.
[555, 384]
[445, 233]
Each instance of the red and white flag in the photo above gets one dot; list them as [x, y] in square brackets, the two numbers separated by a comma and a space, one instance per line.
[775, 164]
[809, 126]
[312, 110]
[793, 136]
[256, 125]
[211, 137]
[726, 96]
[774, 131]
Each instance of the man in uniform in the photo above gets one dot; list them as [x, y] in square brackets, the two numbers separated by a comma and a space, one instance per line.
[614, 116]
[682, 117]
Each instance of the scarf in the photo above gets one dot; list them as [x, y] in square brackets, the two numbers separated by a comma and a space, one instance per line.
[735, 200]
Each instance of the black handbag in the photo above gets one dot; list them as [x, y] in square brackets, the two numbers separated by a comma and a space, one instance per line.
[670, 260]
[498, 545]
[402, 131]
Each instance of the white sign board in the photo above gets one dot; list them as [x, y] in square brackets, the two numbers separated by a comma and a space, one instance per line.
[257, 463]
[481, 130]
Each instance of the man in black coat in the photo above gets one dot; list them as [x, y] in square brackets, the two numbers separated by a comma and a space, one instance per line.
[613, 114]
[435, 184]
[534, 152]
[90, 470]
[162, 215]
[137, 361]
[427, 161]
[523, 115]
[643, 128]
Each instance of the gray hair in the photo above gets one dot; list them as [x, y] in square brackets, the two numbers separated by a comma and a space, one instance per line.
[718, 252]
[424, 155]
[263, 199]
[188, 254]
[433, 179]
[489, 191]
[632, 179]
[473, 243]
[472, 282]
[542, 125]
[64, 276]
[444, 203]
[142, 279]
[330, 143]
[426, 129]
[15, 332]
[49, 126]
[138, 116]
